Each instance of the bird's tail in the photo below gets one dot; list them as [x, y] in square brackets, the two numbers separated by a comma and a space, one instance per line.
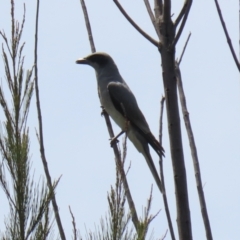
[141, 142]
[152, 167]
[155, 144]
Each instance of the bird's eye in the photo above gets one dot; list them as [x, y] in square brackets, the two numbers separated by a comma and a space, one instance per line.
[100, 60]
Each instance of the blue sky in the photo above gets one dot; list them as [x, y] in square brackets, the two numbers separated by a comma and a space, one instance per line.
[76, 139]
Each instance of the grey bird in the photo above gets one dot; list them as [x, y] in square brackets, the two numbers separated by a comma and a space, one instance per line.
[120, 103]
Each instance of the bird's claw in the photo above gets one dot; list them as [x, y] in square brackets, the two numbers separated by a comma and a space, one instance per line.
[103, 111]
[113, 141]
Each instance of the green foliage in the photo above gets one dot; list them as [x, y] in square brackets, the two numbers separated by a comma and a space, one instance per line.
[28, 201]
[115, 226]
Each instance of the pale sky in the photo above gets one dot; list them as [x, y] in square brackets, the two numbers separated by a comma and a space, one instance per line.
[76, 139]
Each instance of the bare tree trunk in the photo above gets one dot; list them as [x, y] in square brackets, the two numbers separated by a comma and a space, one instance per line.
[167, 50]
[183, 212]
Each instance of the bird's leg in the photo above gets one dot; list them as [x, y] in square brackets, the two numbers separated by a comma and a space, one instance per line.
[127, 122]
[115, 139]
[125, 128]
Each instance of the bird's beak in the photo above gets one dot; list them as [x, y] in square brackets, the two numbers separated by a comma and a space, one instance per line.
[82, 61]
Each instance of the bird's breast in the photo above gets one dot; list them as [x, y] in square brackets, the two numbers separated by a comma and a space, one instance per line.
[106, 102]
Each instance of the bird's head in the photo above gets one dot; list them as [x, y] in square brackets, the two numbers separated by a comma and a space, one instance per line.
[98, 60]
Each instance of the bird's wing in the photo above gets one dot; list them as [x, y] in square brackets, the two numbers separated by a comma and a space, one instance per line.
[125, 102]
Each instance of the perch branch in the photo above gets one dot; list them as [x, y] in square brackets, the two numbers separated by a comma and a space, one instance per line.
[88, 26]
[111, 134]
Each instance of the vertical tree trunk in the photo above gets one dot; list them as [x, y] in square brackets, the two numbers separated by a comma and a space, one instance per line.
[167, 34]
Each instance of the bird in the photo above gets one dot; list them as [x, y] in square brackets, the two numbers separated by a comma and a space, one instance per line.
[120, 103]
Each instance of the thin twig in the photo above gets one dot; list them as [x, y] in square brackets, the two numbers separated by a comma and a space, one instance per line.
[184, 48]
[42, 151]
[227, 35]
[194, 153]
[162, 238]
[74, 224]
[151, 15]
[111, 134]
[88, 26]
[181, 14]
[149, 38]
[189, 4]
[164, 195]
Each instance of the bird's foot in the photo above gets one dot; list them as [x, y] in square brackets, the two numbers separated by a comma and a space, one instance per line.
[103, 111]
[113, 141]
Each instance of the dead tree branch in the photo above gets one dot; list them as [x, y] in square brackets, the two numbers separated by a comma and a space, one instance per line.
[227, 35]
[181, 14]
[149, 38]
[185, 11]
[151, 15]
[111, 134]
[194, 154]
[167, 10]
[42, 151]
[88, 26]
[158, 6]
[164, 195]
[184, 48]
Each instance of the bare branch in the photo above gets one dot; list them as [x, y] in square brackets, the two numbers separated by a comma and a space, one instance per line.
[149, 38]
[194, 153]
[167, 9]
[164, 195]
[74, 224]
[189, 4]
[184, 48]
[153, 19]
[181, 14]
[227, 35]
[42, 151]
[111, 134]
[161, 120]
[88, 26]
[158, 6]
[163, 237]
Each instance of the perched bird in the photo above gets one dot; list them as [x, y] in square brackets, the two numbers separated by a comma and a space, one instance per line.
[120, 103]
